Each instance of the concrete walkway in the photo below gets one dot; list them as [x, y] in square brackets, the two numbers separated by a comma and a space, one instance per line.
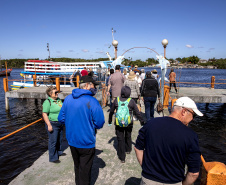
[107, 168]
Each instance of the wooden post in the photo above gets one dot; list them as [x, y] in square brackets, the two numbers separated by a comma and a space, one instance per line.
[5, 84]
[213, 173]
[34, 80]
[212, 82]
[77, 81]
[58, 84]
[172, 102]
[166, 97]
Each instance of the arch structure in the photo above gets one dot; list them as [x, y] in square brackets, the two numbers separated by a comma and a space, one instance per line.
[139, 47]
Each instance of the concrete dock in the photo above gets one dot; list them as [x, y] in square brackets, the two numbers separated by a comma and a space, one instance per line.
[199, 94]
[107, 168]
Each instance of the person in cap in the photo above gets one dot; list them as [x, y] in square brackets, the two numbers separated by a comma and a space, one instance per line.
[135, 69]
[149, 93]
[155, 74]
[82, 114]
[166, 144]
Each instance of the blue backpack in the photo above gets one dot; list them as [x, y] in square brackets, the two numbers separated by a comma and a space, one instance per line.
[123, 118]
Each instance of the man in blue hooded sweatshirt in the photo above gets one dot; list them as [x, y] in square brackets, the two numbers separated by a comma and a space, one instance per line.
[82, 114]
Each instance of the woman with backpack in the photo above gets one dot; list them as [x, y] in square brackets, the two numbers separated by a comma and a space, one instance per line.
[124, 106]
[50, 111]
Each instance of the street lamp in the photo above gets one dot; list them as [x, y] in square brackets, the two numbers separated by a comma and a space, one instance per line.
[115, 44]
[164, 43]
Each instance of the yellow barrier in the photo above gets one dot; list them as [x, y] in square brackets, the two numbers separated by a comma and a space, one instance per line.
[213, 173]
[5, 84]
[20, 129]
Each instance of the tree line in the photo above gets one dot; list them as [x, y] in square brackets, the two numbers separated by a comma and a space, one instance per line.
[219, 63]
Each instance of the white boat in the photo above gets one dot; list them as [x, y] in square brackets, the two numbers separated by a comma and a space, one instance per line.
[47, 71]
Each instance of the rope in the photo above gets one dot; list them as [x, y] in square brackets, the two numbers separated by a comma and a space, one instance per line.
[20, 129]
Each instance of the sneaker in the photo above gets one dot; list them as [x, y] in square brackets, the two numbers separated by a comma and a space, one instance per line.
[63, 154]
[123, 161]
[57, 161]
[127, 152]
[134, 119]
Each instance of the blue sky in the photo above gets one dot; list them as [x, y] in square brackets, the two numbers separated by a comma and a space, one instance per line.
[82, 28]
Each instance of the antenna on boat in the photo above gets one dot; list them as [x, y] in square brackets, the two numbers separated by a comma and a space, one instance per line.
[113, 31]
[48, 50]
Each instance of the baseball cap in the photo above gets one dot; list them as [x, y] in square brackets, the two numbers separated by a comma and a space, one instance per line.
[136, 66]
[86, 79]
[187, 102]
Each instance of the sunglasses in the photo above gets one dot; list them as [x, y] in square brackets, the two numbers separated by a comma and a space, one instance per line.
[193, 114]
[57, 92]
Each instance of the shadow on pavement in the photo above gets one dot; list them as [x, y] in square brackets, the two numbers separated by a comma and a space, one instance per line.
[97, 164]
[115, 142]
[133, 181]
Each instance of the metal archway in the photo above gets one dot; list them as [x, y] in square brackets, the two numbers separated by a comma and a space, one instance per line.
[139, 47]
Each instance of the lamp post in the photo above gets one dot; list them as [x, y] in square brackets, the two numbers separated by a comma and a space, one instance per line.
[164, 43]
[115, 44]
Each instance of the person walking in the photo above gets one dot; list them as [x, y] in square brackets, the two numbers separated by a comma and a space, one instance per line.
[84, 72]
[149, 92]
[155, 74]
[116, 83]
[124, 133]
[107, 80]
[172, 79]
[166, 144]
[135, 69]
[50, 111]
[134, 86]
[82, 114]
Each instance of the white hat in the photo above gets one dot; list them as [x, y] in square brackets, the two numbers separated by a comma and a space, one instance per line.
[188, 103]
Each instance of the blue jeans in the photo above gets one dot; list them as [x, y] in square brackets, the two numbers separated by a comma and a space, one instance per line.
[55, 140]
[149, 103]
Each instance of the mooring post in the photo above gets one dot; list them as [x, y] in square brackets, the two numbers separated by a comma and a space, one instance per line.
[5, 84]
[77, 81]
[166, 97]
[58, 84]
[213, 173]
[34, 80]
[172, 102]
[212, 82]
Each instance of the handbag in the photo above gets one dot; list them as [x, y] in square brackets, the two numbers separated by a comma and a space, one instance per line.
[159, 107]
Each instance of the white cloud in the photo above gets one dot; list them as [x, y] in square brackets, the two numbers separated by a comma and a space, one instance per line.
[189, 46]
[101, 52]
[71, 50]
[85, 50]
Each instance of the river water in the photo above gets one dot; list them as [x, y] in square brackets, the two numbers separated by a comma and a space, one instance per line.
[20, 150]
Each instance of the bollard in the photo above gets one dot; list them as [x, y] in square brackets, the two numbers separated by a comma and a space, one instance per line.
[172, 102]
[58, 84]
[166, 97]
[5, 84]
[77, 80]
[213, 173]
[34, 80]
[212, 82]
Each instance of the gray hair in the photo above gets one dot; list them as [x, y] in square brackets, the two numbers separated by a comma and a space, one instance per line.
[176, 108]
[50, 89]
[82, 85]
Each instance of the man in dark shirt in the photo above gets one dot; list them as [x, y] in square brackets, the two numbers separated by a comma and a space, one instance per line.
[165, 145]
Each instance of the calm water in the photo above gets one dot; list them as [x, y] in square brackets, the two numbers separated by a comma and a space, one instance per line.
[20, 150]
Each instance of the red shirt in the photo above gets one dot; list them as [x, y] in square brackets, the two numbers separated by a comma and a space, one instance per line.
[84, 72]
